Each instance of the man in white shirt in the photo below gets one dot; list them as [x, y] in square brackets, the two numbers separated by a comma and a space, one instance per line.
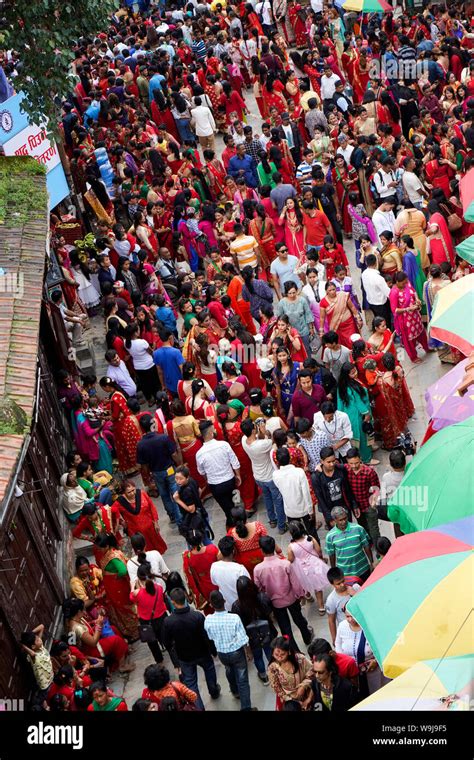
[218, 463]
[328, 85]
[225, 572]
[118, 372]
[257, 444]
[264, 13]
[204, 125]
[159, 567]
[383, 217]
[293, 485]
[345, 149]
[412, 184]
[376, 290]
[384, 180]
[337, 427]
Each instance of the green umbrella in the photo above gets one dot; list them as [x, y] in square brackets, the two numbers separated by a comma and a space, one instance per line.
[437, 486]
[466, 249]
[466, 187]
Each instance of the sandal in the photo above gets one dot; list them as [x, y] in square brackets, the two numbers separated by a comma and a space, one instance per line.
[322, 611]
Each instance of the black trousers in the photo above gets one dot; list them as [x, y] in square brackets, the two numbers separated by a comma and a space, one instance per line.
[154, 646]
[148, 382]
[282, 615]
[222, 493]
[383, 311]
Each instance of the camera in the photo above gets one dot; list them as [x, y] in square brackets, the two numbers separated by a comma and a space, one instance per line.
[406, 443]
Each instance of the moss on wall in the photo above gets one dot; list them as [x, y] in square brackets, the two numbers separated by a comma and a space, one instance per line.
[20, 195]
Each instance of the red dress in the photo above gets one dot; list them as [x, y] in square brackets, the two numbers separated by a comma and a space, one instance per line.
[247, 550]
[248, 488]
[197, 568]
[140, 518]
[393, 406]
[125, 439]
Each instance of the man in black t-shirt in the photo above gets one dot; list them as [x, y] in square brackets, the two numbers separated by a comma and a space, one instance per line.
[325, 198]
[332, 487]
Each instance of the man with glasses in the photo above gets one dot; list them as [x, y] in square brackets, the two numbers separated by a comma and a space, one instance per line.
[283, 269]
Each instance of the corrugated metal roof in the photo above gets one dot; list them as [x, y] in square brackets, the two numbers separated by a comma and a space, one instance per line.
[22, 256]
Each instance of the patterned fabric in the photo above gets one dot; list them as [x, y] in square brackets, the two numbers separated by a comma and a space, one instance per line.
[227, 632]
[348, 546]
[361, 482]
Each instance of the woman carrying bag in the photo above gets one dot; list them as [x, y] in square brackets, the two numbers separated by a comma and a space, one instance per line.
[151, 608]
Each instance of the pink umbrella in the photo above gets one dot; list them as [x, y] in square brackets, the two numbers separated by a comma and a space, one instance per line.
[444, 404]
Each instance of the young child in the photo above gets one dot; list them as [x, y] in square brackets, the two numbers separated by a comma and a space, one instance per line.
[229, 312]
[382, 546]
[165, 314]
[189, 500]
[39, 659]
[337, 599]
[305, 554]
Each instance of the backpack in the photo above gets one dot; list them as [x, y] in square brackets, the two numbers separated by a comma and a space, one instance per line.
[258, 633]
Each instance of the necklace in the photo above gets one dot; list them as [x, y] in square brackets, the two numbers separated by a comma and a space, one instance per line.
[328, 429]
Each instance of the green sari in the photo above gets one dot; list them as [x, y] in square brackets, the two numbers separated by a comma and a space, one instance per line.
[356, 408]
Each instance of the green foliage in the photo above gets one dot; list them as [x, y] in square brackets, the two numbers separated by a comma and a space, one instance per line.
[20, 195]
[44, 32]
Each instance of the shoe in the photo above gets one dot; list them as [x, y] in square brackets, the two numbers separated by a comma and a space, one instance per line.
[235, 694]
[263, 677]
[250, 512]
[311, 633]
[273, 523]
[172, 520]
[373, 462]
[283, 530]
[249, 709]
[216, 694]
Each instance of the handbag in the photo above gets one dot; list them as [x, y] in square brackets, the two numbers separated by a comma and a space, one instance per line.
[258, 633]
[146, 631]
[454, 222]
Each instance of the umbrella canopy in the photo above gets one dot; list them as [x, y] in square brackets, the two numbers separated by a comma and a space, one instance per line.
[436, 486]
[453, 321]
[307, 96]
[444, 404]
[418, 601]
[366, 6]
[466, 187]
[466, 249]
[434, 685]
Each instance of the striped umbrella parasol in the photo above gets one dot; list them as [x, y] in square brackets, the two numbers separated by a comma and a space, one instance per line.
[417, 604]
[434, 685]
[452, 321]
[444, 404]
[367, 6]
[466, 249]
[436, 483]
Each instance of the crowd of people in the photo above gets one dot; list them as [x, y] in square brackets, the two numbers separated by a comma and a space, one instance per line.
[220, 267]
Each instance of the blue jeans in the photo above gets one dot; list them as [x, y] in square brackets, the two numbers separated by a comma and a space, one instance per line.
[237, 674]
[273, 502]
[190, 677]
[307, 343]
[105, 497]
[184, 130]
[166, 485]
[258, 657]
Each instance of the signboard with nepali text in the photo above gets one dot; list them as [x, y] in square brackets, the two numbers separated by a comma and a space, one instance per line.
[19, 137]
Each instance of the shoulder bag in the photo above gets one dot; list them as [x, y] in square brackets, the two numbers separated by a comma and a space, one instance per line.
[146, 631]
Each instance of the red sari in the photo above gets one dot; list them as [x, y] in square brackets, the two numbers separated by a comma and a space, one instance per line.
[241, 307]
[439, 175]
[393, 406]
[113, 647]
[339, 179]
[248, 488]
[197, 569]
[336, 313]
[298, 25]
[140, 518]
[121, 611]
[247, 550]
[127, 433]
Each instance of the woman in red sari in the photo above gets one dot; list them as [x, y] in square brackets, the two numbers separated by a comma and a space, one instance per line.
[348, 59]
[361, 75]
[393, 403]
[96, 519]
[343, 317]
[125, 441]
[139, 515]
[439, 172]
[441, 243]
[271, 96]
[113, 564]
[88, 636]
[246, 536]
[295, 15]
[183, 429]
[344, 179]
[214, 173]
[230, 431]
[239, 305]
[197, 563]
[262, 228]
[252, 21]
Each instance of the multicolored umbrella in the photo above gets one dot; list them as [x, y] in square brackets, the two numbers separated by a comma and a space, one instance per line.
[417, 604]
[366, 6]
[434, 685]
[466, 187]
[466, 249]
[444, 404]
[452, 321]
[438, 484]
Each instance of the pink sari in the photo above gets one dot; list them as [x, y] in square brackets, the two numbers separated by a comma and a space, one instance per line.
[340, 318]
[407, 325]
